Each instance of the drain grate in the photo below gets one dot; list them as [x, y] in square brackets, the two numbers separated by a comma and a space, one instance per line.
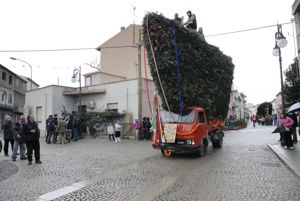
[271, 164]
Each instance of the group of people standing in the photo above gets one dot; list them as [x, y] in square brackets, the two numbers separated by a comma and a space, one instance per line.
[62, 130]
[145, 126]
[114, 132]
[24, 135]
[289, 123]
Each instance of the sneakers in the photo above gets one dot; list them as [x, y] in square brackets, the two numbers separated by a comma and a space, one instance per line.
[285, 147]
[23, 158]
[29, 163]
[14, 159]
[291, 148]
[38, 162]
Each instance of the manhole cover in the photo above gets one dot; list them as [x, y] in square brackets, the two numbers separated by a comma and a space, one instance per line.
[271, 164]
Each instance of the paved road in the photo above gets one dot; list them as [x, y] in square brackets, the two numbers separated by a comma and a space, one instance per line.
[96, 169]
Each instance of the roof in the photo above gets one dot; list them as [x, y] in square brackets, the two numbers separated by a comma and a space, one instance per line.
[103, 45]
[101, 72]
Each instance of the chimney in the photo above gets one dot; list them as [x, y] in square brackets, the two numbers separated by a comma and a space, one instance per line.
[122, 28]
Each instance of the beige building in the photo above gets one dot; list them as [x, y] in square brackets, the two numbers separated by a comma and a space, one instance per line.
[123, 59]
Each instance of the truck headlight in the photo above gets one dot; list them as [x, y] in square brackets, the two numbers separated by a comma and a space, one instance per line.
[189, 141]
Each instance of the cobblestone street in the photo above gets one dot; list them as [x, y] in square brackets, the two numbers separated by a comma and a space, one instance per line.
[97, 169]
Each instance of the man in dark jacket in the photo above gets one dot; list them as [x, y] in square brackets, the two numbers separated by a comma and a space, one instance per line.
[8, 131]
[48, 137]
[32, 136]
[20, 129]
[293, 116]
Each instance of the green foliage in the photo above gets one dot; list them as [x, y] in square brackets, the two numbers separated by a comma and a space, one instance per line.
[264, 109]
[292, 84]
[205, 76]
[92, 119]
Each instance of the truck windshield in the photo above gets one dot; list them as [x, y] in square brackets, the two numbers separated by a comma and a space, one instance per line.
[169, 117]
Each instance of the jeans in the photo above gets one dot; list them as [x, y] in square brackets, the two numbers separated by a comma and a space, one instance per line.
[18, 144]
[75, 135]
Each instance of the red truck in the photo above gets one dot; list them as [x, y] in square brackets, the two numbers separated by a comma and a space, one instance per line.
[190, 133]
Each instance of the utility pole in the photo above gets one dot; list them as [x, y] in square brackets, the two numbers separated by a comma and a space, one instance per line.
[140, 76]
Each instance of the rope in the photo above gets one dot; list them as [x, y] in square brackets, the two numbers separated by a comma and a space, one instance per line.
[177, 71]
[155, 64]
[147, 86]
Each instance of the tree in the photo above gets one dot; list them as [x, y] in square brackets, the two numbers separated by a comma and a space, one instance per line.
[292, 84]
[190, 71]
[264, 109]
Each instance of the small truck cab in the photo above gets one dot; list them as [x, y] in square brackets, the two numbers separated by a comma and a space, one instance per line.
[189, 133]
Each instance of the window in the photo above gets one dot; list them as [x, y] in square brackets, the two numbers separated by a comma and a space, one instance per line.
[112, 107]
[38, 113]
[3, 96]
[88, 81]
[201, 117]
[10, 99]
[4, 76]
[10, 80]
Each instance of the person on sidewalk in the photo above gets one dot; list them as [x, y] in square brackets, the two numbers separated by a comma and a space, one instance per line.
[32, 139]
[253, 119]
[111, 132]
[20, 129]
[61, 130]
[118, 131]
[293, 116]
[287, 123]
[8, 131]
[137, 126]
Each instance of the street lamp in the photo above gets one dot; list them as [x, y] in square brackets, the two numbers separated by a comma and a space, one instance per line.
[77, 76]
[13, 58]
[280, 42]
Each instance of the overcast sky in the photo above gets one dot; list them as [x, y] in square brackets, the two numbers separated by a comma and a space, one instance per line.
[65, 24]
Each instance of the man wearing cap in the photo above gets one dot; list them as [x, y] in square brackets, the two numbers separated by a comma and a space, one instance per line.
[191, 23]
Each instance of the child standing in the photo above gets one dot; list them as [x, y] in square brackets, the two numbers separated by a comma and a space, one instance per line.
[118, 131]
[110, 132]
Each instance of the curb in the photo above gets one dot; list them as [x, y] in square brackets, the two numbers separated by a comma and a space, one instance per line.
[284, 162]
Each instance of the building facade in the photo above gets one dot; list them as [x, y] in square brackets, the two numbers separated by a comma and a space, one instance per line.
[12, 94]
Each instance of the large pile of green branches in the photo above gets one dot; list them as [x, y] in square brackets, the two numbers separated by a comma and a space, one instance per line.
[205, 73]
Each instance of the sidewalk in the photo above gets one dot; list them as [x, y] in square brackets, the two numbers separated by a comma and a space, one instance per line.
[290, 158]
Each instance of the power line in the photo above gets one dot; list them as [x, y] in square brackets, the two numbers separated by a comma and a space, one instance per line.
[126, 46]
[49, 50]
[244, 30]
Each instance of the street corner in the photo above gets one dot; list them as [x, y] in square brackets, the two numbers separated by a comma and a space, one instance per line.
[7, 169]
[290, 158]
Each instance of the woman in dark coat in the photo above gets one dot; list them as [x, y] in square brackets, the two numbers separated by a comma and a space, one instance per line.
[32, 138]
[8, 130]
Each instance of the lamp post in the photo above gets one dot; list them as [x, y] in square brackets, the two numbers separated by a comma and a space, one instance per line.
[77, 76]
[280, 42]
[13, 58]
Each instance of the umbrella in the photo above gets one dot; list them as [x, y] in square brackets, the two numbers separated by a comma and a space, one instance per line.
[279, 129]
[294, 108]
